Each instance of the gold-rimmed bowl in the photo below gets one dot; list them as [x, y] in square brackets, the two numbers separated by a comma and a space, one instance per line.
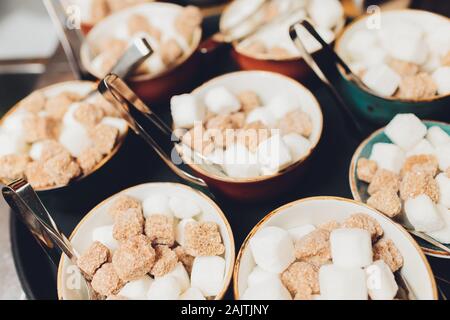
[81, 237]
[151, 87]
[318, 210]
[359, 188]
[265, 84]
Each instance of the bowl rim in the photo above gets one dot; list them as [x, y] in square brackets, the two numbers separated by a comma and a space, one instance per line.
[193, 47]
[293, 165]
[102, 163]
[353, 181]
[220, 213]
[351, 25]
[279, 210]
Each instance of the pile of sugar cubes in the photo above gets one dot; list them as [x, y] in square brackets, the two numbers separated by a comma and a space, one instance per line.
[402, 59]
[274, 42]
[51, 139]
[171, 39]
[411, 175]
[156, 249]
[247, 136]
[349, 260]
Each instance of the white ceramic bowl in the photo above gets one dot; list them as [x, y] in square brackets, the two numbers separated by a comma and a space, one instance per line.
[318, 210]
[81, 237]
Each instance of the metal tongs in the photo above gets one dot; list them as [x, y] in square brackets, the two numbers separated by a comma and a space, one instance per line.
[25, 203]
[140, 117]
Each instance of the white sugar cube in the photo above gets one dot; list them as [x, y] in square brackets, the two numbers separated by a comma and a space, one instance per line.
[423, 147]
[239, 162]
[272, 249]
[443, 235]
[184, 208]
[326, 13]
[443, 155]
[155, 63]
[437, 136]
[75, 139]
[137, 289]
[10, 144]
[382, 80]
[217, 156]
[156, 204]
[36, 151]
[118, 123]
[375, 56]
[273, 154]
[298, 145]
[406, 130]
[444, 189]
[422, 213]
[281, 104]
[164, 288]
[388, 156]
[186, 111]
[259, 275]
[180, 230]
[180, 274]
[351, 248]
[337, 283]
[441, 77]
[208, 275]
[411, 49]
[192, 294]
[69, 119]
[381, 281]
[220, 100]
[299, 232]
[360, 43]
[271, 289]
[13, 124]
[262, 114]
[104, 235]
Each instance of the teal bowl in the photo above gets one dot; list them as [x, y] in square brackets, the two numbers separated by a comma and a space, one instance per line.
[359, 188]
[380, 110]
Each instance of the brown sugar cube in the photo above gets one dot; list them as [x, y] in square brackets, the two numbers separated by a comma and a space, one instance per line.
[384, 179]
[116, 298]
[89, 159]
[99, 10]
[188, 21]
[52, 148]
[39, 128]
[62, 169]
[34, 103]
[238, 119]
[203, 239]
[170, 52]
[166, 261]
[108, 109]
[445, 61]
[366, 169]
[403, 68]
[447, 172]
[123, 203]
[221, 122]
[249, 100]
[94, 257]
[365, 222]
[252, 135]
[104, 138]
[300, 275]
[139, 23]
[296, 122]
[222, 138]
[37, 175]
[160, 229]
[13, 166]
[88, 114]
[386, 250]
[186, 259]
[416, 183]
[198, 139]
[113, 45]
[314, 247]
[57, 106]
[386, 201]
[256, 47]
[106, 281]
[304, 293]
[417, 87]
[128, 224]
[279, 53]
[330, 225]
[134, 258]
[426, 163]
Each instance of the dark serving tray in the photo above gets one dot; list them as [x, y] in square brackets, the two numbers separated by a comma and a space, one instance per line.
[327, 175]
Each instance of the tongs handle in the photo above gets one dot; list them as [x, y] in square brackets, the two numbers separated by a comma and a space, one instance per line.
[321, 72]
[139, 116]
[25, 203]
